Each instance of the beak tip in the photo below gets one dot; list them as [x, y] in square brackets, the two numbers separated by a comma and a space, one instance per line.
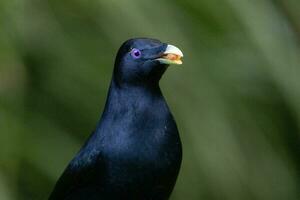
[174, 50]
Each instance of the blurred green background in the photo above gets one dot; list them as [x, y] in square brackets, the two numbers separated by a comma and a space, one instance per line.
[236, 99]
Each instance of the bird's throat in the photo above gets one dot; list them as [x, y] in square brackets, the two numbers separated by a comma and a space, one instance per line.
[127, 97]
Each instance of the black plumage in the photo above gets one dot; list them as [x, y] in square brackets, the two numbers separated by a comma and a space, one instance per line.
[135, 151]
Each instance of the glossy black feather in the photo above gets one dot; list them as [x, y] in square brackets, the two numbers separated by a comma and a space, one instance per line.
[135, 151]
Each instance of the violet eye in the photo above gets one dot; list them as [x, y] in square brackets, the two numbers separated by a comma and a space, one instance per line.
[136, 53]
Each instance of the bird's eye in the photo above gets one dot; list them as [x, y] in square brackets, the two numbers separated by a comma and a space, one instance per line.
[136, 53]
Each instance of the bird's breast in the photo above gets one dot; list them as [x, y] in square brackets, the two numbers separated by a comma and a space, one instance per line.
[140, 148]
[146, 152]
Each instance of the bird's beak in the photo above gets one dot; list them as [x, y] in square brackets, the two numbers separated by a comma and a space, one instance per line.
[172, 55]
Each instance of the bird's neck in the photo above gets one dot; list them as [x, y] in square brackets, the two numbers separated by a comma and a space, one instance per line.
[128, 96]
[127, 103]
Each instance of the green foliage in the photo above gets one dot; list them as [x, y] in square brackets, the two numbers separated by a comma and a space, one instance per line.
[236, 98]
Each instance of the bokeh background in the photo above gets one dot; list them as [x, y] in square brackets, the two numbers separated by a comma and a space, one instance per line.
[236, 99]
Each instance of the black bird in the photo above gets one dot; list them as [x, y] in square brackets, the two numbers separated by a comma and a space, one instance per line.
[135, 152]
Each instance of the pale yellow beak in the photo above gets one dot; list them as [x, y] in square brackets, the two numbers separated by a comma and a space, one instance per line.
[172, 55]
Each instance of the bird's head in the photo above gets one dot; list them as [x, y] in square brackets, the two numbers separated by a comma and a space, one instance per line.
[143, 61]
